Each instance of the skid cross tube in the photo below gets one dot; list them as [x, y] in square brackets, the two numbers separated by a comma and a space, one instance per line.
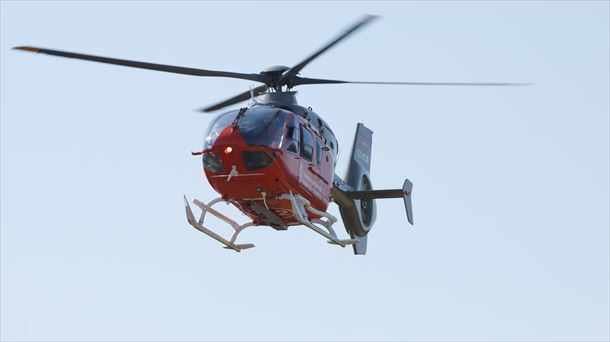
[205, 208]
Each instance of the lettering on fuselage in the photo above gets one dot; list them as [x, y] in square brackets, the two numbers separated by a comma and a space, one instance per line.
[310, 182]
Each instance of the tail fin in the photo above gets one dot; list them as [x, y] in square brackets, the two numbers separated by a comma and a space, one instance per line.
[358, 215]
[356, 197]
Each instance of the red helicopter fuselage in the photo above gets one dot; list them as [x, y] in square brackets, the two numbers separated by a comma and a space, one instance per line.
[254, 156]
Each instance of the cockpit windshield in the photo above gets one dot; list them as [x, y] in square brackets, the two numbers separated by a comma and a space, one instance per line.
[259, 126]
[263, 126]
[217, 126]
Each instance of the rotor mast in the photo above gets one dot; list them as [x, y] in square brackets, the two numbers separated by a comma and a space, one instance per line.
[277, 92]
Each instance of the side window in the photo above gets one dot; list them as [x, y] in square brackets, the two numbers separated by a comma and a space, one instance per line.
[306, 143]
[318, 151]
[292, 137]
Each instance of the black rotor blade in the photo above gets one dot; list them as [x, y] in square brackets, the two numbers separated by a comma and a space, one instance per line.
[292, 72]
[305, 80]
[236, 99]
[144, 65]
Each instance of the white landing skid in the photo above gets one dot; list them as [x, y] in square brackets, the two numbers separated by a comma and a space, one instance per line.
[300, 209]
[205, 208]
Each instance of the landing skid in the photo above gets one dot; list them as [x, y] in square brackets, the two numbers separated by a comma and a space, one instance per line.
[205, 208]
[300, 208]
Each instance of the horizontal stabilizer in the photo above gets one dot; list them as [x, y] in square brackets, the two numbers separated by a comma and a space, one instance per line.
[404, 193]
[370, 194]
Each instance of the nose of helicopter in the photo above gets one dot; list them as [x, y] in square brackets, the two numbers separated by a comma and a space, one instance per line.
[236, 169]
[242, 147]
[228, 148]
[230, 153]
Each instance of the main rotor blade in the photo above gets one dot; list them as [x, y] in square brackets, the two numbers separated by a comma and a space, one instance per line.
[292, 72]
[304, 80]
[236, 99]
[144, 65]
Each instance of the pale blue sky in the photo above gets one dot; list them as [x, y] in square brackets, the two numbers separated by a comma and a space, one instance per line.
[511, 190]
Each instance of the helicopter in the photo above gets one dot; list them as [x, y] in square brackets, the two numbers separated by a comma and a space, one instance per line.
[275, 160]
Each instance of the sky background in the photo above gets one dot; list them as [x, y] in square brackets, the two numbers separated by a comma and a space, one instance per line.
[511, 191]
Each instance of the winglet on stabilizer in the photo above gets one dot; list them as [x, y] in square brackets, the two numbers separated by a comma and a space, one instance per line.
[407, 188]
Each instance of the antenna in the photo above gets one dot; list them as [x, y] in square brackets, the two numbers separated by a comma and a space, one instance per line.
[253, 99]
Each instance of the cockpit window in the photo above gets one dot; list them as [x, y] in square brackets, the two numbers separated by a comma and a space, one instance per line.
[292, 136]
[318, 151]
[217, 126]
[263, 126]
[306, 143]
